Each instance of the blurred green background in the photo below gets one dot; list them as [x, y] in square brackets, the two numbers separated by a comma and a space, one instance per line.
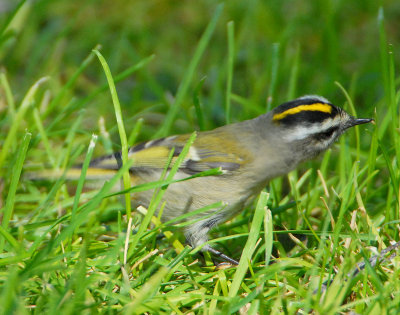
[320, 41]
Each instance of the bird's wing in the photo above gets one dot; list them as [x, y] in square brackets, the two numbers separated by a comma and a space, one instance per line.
[205, 153]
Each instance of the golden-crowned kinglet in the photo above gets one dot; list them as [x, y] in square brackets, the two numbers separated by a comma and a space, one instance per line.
[249, 153]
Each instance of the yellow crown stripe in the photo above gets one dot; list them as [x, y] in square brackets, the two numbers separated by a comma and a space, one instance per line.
[319, 107]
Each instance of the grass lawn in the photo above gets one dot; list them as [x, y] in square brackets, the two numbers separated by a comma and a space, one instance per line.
[180, 66]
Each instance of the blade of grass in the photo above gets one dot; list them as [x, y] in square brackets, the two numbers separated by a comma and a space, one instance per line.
[9, 20]
[25, 104]
[394, 180]
[75, 104]
[82, 177]
[274, 74]
[64, 157]
[157, 198]
[10, 290]
[231, 54]
[9, 95]
[43, 208]
[43, 134]
[268, 236]
[135, 132]
[121, 128]
[197, 105]
[345, 200]
[184, 86]
[81, 215]
[166, 182]
[373, 151]
[118, 78]
[7, 211]
[105, 136]
[294, 74]
[56, 100]
[388, 75]
[383, 52]
[11, 240]
[354, 113]
[151, 286]
[393, 105]
[249, 248]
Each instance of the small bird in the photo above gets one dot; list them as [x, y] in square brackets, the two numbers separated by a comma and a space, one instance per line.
[249, 154]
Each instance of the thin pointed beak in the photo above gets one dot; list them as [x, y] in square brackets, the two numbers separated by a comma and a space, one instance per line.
[358, 121]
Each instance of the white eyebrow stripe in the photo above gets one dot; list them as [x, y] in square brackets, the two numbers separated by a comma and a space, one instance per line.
[302, 132]
[314, 97]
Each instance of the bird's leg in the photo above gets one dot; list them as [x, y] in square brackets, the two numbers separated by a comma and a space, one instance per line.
[197, 235]
[220, 254]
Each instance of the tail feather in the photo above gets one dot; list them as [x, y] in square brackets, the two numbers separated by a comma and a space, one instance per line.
[71, 174]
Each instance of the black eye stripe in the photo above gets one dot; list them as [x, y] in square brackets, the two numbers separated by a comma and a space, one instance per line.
[326, 134]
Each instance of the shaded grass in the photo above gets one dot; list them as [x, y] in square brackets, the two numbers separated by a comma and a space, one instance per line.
[61, 255]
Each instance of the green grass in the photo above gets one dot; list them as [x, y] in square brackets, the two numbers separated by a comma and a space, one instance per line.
[180, 67]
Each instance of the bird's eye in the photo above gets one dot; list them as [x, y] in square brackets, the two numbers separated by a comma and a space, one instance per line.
[326, 134]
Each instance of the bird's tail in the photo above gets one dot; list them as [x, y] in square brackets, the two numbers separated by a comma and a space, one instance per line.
[72, 174]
